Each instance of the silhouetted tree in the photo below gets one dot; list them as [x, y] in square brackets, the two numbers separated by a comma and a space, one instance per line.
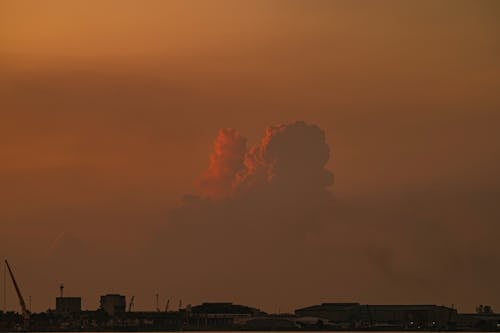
[484, 309]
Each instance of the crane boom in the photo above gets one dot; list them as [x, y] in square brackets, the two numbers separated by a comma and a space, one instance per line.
[18, 291]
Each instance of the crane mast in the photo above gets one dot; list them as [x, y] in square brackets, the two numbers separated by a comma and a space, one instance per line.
[26, 313]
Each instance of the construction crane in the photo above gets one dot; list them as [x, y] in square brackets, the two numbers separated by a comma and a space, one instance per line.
[26, 313]
[131, 304]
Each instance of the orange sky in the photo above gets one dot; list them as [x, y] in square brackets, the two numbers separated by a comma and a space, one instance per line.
[109, 110]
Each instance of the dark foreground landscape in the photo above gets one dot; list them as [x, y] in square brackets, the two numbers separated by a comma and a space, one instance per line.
[115, 315]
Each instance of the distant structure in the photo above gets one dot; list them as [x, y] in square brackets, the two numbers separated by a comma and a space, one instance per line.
[26, 314]
[226, 316]
[131, 304]
[219, 315]
[224, 308]
[113, 304]
[67, 305]
[406, 317]
[335, 312]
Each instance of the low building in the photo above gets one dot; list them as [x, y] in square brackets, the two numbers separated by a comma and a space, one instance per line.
[335, 312]
[220, 314]
[408, 316]
[113, 304]
[478, 322]
[357, 316]
[272, 323]
[68, 305]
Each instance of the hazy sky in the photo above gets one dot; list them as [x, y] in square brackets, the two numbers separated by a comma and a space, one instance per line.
[109, 111]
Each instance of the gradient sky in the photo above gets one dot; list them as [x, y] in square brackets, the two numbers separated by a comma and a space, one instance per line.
[109, 110]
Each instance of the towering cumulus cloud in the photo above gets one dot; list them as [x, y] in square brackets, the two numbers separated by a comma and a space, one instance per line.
[258, 206]
[290, 158]
[225, 162]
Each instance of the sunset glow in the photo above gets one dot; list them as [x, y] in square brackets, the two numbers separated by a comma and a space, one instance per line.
[308, 150]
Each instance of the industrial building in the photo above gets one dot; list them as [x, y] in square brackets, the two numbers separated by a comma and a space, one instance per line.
[335, 312]
[357, 316]
[68, 305]
[220, 315]
[479, 321]
[224, 308]
[113, 304]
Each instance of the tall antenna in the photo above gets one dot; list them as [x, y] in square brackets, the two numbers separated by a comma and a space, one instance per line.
[158, 302]
[61, 290]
